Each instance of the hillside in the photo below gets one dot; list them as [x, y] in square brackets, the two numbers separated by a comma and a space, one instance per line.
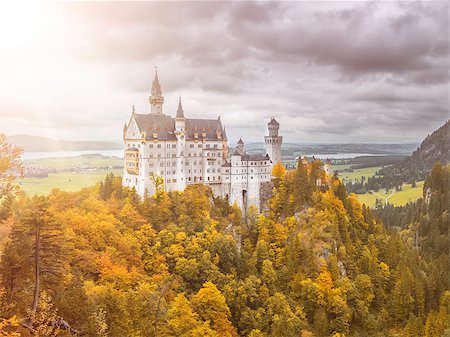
[317, 263]
[435, 148]
[43, 144]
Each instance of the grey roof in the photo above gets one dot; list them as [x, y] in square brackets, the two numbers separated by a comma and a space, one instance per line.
[250, 157]
[180, 112]
[255, 157]
[164, 126]
[209, 126]
[236, 152]
[273, 122]
[240, 141]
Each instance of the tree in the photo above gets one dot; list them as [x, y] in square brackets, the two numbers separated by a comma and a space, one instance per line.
[181, 319]
[10, 168]
[211, 306]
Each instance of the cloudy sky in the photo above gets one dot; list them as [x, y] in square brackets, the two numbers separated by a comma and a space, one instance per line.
[328, 71]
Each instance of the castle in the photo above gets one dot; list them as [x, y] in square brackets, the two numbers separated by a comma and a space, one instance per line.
[184, 151]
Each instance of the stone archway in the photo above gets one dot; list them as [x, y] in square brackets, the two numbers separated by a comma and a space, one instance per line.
[244, 201]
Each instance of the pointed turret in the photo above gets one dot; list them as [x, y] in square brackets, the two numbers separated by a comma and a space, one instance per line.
[240, 146]
[156, 87]
[180, 121]
[180, 112]
[156, 99]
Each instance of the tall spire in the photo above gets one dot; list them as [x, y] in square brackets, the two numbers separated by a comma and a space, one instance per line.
[156, 87]
[156, 99]
[180, 112]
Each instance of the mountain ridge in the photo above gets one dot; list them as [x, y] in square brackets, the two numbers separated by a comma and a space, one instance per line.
[43, 144]
[434, 148]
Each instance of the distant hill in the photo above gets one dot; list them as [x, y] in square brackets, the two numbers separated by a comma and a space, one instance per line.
[43, 144]
[435, 148]
[292, 150]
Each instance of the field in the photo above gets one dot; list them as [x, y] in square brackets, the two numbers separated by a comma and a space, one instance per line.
[407, 194]
[67, 181]
[96, 161]
[356, 174]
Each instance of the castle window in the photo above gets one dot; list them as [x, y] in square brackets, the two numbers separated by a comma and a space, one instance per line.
[173, 172]
[151, 155]
[151, 146]
[191, 146]
[158, 146]
[208, 178]
[174, 146]
[215, 146]
[199, 146]
[207, 146]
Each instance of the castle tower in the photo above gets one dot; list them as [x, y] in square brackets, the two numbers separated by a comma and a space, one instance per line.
[156, 98]
[180, 127]
[180, 120]
[240, 146]
[273, 141]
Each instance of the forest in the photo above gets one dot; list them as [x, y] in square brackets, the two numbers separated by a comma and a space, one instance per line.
[315, 262]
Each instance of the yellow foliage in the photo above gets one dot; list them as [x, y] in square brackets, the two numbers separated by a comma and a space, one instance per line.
[278, 170]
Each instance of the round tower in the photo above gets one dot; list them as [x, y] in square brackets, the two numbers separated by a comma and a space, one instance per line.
[273, 141]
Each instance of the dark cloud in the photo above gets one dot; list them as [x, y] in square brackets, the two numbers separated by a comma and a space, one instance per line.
[327, 70]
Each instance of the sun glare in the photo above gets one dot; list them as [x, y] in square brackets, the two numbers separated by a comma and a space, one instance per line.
[20, 24]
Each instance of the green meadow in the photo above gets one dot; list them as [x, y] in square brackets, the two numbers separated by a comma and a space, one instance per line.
[357, 174]
[75, 162]
[67, 181]
[407, 194]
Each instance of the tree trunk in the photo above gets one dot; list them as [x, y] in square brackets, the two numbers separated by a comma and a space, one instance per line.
[37, 266]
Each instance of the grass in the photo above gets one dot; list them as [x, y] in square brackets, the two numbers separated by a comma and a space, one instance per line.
[400, 198]
[67, 181]
[96, 161]
[407, 194]
[357, 173]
